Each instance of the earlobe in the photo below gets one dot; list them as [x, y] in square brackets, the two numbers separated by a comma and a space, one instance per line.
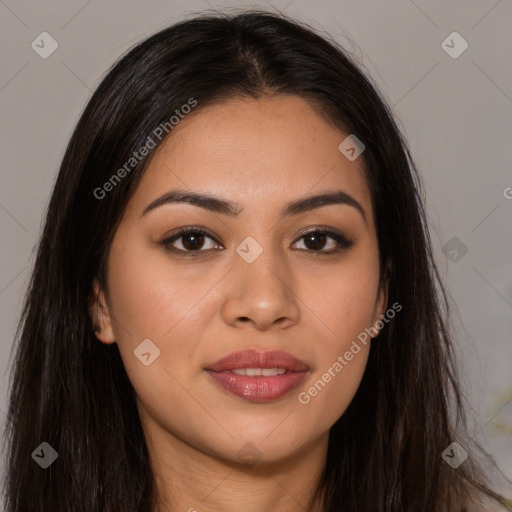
[383, 299]
[100, 315]
[380, 307]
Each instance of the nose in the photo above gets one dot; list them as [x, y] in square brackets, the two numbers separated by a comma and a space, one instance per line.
[260, 295]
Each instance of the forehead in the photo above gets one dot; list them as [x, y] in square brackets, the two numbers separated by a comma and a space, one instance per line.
[270, 150]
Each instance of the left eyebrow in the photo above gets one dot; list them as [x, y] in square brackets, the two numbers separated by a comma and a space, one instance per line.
[233, 209]
[311, 202]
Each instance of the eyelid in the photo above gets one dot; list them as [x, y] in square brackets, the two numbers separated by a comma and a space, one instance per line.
[168, 240]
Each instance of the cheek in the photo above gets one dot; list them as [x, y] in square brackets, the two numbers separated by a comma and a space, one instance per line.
[152, 297]
[346, 307]
[171, 305]
[327, 395]
[342, 353]
[346, 300]
[154, 300]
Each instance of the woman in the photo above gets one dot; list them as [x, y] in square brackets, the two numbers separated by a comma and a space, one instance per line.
[234, 301]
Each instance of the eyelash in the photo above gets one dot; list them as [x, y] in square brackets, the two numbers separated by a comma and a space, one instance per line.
[343, 242]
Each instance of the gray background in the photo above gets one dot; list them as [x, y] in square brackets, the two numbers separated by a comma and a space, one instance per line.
[456, 114]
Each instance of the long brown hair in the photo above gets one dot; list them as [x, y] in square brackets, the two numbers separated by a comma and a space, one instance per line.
[72, 392]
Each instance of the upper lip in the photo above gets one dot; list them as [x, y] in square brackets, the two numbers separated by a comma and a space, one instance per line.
[255, 359]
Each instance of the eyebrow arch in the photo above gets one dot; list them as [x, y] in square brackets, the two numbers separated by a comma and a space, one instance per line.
[233, 209]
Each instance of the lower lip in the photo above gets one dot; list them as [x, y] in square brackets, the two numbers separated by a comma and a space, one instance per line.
[257, 389]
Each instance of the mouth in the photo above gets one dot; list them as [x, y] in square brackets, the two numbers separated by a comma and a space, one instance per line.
[258, 376]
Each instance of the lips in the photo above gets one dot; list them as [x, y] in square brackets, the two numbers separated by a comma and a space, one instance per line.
[258, 376]
[255, 359]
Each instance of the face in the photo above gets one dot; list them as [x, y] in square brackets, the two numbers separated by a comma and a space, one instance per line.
[284, 291]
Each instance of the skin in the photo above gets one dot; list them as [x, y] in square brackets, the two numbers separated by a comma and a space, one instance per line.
[262, 154]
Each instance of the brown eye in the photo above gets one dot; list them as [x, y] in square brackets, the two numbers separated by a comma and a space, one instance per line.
[315, 241]
[191, 240]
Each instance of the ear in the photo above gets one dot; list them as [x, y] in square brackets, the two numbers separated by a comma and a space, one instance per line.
[381, 302]
[101, 318]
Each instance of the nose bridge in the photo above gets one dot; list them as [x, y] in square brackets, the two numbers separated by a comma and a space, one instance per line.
[262, 290]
